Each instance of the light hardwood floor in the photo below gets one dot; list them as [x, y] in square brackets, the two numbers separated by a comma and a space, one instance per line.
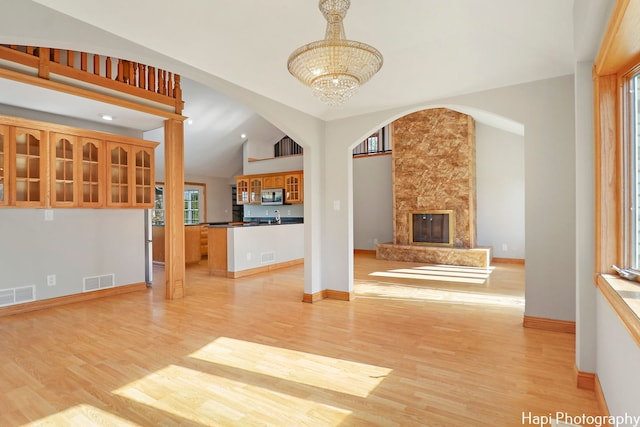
[417, 347]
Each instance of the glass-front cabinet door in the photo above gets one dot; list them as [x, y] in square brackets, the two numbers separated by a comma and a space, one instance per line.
[256, 191]
[90, 175]
[28, 174]
[144, 177]
[118, 174]
[63, 170]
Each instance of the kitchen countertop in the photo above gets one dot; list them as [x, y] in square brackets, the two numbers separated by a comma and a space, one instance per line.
[248, 224]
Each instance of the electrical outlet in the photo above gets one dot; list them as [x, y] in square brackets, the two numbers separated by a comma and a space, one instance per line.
[51, 280]
[504, 247]
[248, 256]
[288, 211]
[48, 214]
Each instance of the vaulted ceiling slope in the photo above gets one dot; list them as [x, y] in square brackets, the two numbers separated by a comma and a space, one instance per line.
[432, 48]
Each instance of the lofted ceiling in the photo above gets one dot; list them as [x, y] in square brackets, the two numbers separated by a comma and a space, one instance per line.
[432, 49]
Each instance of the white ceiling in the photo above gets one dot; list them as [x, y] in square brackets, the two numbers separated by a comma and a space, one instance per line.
[432, 49]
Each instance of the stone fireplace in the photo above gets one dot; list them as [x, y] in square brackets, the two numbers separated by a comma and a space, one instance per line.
[434, 190]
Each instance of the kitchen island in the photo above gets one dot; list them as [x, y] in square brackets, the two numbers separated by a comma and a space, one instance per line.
[241, 249]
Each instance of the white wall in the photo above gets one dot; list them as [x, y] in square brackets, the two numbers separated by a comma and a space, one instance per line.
[618, 362]
[372, 201]
[500, 191]
[77, 243]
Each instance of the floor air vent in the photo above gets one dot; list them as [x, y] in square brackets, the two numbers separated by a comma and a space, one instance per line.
[95, 283]
[17, 295]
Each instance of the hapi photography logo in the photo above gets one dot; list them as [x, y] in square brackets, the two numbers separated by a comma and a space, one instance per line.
[531, 419]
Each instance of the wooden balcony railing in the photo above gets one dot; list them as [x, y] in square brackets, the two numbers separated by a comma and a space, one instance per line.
[116, 74]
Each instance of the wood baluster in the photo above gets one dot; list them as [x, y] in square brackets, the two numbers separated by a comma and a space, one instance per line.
[96, 64]
[108, 65]
[55, 55]
[161, 77]
[132, 73]
[152, 79]
[169, 84]
[142, 76]
[70, 58]
[43, 68]
[120, 76]
[83, 61]
[30, 50]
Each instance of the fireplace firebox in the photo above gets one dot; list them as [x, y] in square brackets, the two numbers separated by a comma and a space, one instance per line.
[431, 228]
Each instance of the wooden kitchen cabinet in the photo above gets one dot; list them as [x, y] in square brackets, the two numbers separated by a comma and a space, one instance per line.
[248, 186]
[28, 174]
[255, 195]
[242, 190]
[90, 174]
[293, 188]
[64, 160]
[130, 175]
[144, 181]
[273, 181]
[48, 165]
[118, 175]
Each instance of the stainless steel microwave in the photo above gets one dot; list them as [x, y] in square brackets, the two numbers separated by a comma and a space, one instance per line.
[272, 196]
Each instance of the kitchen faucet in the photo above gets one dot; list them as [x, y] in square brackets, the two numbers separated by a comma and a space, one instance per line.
[277, 212]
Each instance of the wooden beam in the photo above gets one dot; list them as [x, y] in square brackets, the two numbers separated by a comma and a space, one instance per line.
[174, 208]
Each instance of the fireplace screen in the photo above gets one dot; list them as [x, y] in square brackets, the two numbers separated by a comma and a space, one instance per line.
[431, 228]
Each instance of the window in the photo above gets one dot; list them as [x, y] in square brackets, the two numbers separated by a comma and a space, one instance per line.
[616, 79]
[194, 201]
[286, 147]
[191, 206]
[377, 143]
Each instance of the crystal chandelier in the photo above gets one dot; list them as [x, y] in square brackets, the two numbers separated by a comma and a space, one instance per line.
[335, 67]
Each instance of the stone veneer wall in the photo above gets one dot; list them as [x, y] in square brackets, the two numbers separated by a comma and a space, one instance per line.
[434, 160]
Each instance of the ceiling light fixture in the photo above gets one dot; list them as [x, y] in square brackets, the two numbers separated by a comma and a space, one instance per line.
[106, 117]
[335, 67]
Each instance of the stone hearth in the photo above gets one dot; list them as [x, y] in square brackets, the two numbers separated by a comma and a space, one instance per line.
[475, 257]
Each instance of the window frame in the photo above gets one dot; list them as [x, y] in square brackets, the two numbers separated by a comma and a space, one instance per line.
[615, 63]
[188, 186]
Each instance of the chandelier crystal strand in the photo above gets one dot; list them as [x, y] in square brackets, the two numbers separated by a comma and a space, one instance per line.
[334, 68]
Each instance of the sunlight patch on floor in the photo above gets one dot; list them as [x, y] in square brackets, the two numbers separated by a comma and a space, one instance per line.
[82, 416]
[416, 293]
[213, 400]
[424, 271]
[344, 376]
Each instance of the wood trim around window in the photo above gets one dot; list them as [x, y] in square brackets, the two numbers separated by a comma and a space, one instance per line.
[203, 204]
[619, 54]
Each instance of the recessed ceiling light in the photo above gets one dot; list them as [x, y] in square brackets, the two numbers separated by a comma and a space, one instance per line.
[106, 117]
[190, 121]
[243, 136]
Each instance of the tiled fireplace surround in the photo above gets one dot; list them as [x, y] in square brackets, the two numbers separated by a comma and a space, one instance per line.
[434, 159]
